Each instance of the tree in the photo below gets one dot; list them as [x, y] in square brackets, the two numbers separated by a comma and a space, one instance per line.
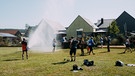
[113, 28]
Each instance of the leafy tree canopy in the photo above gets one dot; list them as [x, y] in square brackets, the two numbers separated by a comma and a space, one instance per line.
[113, 28]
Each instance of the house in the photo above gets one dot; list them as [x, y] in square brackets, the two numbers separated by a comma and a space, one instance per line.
[80, 27]
[7, 35]
[22, 31]
[10, 37]
[126, 23]
[15, 32]
[30, 30]
[103, 24]
[7, 39]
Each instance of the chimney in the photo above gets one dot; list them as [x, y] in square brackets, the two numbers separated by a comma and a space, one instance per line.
[101, 22]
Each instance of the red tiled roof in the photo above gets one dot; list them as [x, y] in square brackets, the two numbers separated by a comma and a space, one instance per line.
[9, 31]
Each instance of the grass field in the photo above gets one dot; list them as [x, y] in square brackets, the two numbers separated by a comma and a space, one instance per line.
[53, 64]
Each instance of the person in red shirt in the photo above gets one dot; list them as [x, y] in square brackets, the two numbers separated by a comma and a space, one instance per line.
[24, 48]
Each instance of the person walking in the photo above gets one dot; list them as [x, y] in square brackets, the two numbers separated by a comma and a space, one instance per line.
[24, 48]
[91, 44]
[127, 43]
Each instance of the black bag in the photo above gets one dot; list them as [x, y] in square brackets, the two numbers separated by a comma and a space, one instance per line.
[85, 62]
[88, 63]
[75, 67]
[119, 63]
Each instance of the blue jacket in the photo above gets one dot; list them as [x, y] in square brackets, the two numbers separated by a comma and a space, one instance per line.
[91, 42]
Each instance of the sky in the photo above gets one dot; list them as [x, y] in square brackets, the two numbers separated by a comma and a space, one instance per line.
[17, 13]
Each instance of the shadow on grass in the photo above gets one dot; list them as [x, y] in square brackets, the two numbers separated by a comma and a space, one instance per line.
[79, 55]
[11, 59]
[104, 52]
[12, 53]
[121, 53]
[64, 62]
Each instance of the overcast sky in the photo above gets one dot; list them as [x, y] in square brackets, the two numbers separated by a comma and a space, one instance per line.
[17, 13]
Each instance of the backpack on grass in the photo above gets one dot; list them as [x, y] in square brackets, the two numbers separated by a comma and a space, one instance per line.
[119, 63]
[88, 63]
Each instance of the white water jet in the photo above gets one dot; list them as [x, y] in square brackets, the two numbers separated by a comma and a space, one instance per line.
[41, 40]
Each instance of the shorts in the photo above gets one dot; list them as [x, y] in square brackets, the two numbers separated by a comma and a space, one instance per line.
[90, 48]
[73, 51]
[127, 45]
[25, 50]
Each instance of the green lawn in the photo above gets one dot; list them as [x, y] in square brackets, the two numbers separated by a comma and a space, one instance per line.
[52, 64]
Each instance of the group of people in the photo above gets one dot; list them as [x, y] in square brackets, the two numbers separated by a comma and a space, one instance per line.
[73, 46]
[74, 42]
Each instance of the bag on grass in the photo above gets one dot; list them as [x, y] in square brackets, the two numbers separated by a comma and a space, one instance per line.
[88, 63]
[119, 63]
[75, 67]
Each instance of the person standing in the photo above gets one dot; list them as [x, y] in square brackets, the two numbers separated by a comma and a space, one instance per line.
[91, 44]
[108, 43]
[54, 44]
[101, 42]
[24, 48]
[134, 43]
[73, 47]
[81, 46]
[88, 49]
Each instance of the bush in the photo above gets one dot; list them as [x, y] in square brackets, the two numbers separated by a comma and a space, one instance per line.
[118, 40]
[114, 41]
[121, 39]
